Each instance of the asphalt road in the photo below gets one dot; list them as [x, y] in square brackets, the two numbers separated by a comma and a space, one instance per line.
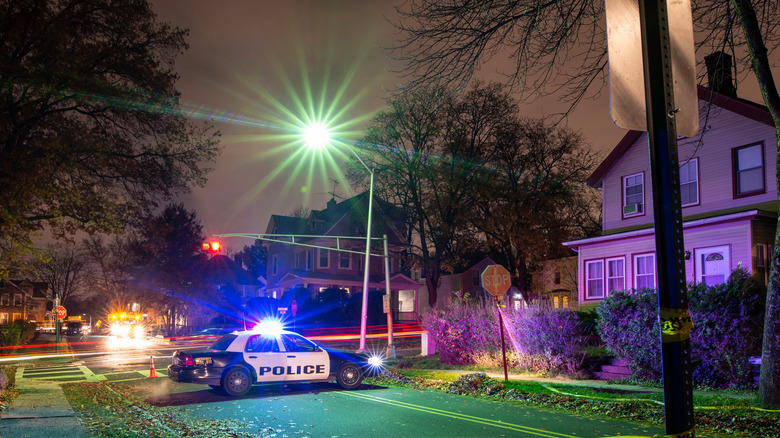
[325, 410]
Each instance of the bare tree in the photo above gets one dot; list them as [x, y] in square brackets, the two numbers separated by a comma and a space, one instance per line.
[559, 47]
[63, 269]
[431, 150]
[111, 265]
[530, 203]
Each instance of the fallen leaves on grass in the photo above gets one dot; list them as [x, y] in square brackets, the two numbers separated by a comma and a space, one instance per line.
[734, 422]
[116, 411]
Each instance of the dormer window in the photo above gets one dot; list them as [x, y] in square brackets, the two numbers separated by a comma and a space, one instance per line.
[633, 195]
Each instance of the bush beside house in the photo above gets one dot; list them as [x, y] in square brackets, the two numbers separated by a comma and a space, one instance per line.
[18, 333]
[727, 331]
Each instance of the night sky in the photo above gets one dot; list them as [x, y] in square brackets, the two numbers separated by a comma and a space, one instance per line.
[257, 66]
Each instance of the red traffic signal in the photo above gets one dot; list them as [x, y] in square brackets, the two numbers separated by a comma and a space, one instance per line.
[212, 246]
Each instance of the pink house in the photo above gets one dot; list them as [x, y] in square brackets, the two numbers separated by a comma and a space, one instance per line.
[729, 197]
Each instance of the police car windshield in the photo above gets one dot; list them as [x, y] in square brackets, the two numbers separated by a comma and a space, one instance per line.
[224, 342]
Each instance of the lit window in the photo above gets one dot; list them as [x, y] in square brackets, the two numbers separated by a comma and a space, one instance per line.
[406, 300]
[594, 281]
[644, 271]
[749, 170]
[616, 276]
[689, 182]
[633, 195]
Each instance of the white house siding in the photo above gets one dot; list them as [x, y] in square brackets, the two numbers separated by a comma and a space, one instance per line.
[723, 132]
[735, 234]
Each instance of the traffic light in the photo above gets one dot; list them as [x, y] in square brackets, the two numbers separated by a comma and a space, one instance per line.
[212, 246]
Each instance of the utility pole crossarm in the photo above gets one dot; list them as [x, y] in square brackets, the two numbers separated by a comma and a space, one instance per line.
[280, 238]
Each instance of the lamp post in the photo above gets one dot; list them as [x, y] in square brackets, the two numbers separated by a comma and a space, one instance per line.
[90, 320]
[317, 135]
[364, 308]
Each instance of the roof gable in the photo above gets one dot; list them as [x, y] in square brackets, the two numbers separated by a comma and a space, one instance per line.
[742, 107]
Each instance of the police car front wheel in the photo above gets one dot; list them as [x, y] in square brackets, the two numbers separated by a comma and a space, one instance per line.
[349, 375]
[236, 382]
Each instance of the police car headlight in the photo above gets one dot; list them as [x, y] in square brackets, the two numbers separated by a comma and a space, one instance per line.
[375, 361]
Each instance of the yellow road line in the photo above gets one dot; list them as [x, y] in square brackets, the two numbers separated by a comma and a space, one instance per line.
[458, 416]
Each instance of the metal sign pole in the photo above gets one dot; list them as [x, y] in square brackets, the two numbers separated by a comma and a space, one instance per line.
[664, 167]
[501, 325]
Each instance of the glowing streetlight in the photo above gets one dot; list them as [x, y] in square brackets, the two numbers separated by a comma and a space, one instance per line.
[317, 135]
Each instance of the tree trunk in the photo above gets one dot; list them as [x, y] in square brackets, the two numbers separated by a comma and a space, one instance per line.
[768, 390]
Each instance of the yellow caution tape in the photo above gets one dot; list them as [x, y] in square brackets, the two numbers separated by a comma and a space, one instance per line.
[676, 324]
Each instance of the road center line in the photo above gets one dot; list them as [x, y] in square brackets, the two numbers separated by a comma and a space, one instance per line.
[457, 416]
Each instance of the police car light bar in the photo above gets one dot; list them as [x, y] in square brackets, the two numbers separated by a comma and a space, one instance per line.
[269, 327]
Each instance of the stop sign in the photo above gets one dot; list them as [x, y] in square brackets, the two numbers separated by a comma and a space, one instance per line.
[59, 312]
[496, 279]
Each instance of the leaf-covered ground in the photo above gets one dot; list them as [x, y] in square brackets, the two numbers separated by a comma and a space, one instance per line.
[739, 420]
[117, 410]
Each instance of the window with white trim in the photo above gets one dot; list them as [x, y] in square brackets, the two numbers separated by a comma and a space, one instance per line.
[594, 279]
[749, 169]
[4, 318]
[689, 182]
[297, 260]
[644, 271]
[5, 300]
[308, 260]
[616, 274]
[17, 299]
[712, 265]
[760, 256]
[406, 300]
[633, 195]
[324, 261]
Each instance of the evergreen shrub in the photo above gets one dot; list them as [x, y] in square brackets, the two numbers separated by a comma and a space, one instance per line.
[17, 333]
[728, 322]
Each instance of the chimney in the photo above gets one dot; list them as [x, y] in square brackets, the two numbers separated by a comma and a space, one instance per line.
[331, 203]
[719, 73]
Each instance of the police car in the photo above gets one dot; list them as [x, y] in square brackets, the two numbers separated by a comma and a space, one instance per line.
[238, 360]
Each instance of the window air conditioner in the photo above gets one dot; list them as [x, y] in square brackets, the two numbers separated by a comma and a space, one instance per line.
[632, 209]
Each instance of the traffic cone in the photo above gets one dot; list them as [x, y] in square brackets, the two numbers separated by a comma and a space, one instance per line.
[152, 374]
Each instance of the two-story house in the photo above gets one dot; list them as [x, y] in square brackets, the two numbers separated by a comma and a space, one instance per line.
[317, 263]
[729, 198]
[23, 300]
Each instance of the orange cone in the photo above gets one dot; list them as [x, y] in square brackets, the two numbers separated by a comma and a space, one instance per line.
[152, 374]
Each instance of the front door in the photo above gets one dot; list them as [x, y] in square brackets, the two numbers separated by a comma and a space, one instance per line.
[262, 352]
[305, 360]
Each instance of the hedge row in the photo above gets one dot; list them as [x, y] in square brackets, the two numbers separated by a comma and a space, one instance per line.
[728, 320]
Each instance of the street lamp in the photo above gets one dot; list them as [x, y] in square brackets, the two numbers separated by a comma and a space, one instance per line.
[317, 136]
[90, 319]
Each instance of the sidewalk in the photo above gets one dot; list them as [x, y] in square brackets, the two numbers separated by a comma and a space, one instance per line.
[40, 411]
